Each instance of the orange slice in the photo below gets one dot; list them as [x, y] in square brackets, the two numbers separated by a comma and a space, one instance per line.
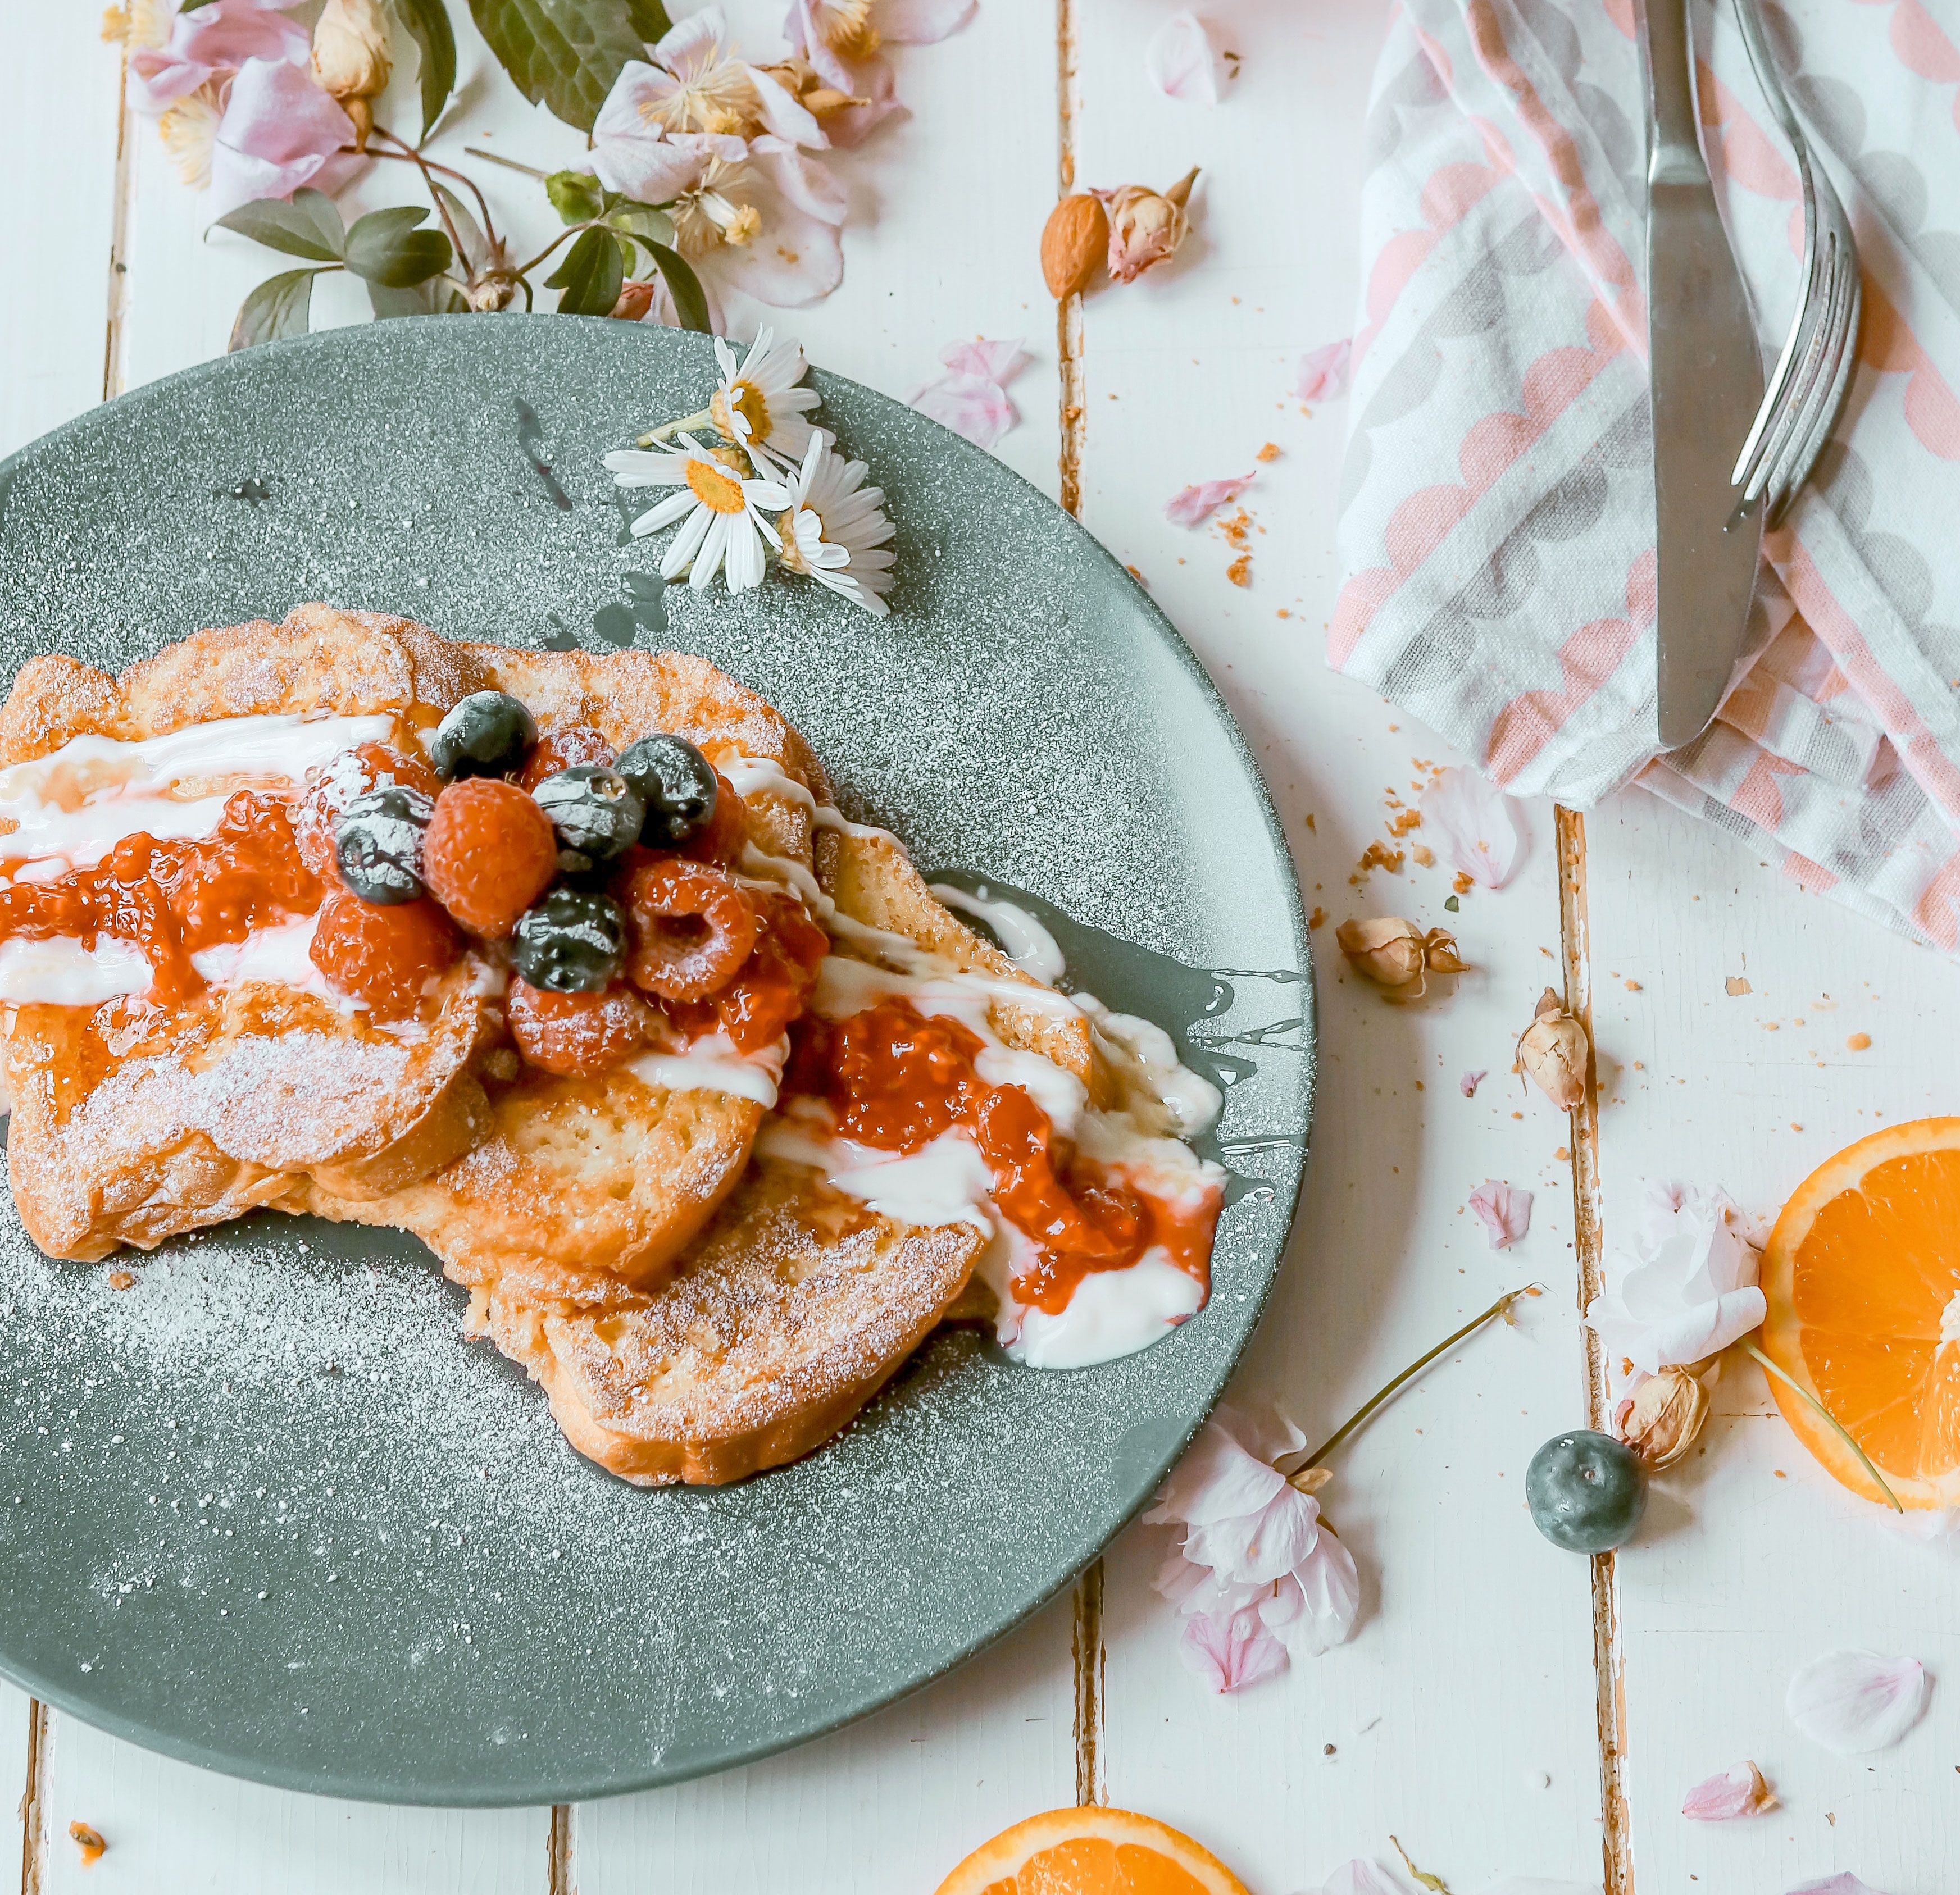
[1091, 1851]
[1862, 1280]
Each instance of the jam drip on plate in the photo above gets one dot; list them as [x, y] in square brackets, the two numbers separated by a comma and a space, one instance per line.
[896, 1079]
[175, 897]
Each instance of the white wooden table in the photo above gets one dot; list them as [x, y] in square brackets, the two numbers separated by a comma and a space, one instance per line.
[1504, 1709]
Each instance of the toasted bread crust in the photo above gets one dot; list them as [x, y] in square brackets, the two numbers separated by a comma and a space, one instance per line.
[793, 1311]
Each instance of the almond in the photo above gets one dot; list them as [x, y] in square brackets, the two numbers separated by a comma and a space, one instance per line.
[1074, 243]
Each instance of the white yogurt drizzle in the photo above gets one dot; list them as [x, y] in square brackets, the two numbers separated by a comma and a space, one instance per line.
[69, 808]
[1111, 1313]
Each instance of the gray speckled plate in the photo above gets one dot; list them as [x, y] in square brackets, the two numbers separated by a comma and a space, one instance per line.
[267, 1511]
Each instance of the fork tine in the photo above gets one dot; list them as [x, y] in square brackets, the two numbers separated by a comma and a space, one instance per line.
[1756, 448]
[1848, 313]
[1815, 360]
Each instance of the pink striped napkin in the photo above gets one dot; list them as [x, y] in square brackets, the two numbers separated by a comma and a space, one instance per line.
[1497, 527]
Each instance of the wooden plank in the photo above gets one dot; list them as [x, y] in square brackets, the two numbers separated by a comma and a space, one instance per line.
[1189, 372]
[885, 1807]
[172, 1828]
[1753, 1562]
[57, 144]
[16, 1713]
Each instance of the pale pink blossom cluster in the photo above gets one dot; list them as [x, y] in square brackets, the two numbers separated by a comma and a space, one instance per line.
[232, 85]
[1256, 1573]
[729, 145]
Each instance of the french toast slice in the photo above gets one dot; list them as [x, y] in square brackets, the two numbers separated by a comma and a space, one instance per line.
[131, 1125]
[798, 1304]
[582, 1189]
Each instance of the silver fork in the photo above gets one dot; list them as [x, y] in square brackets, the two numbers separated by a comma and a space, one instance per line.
[1813, 375]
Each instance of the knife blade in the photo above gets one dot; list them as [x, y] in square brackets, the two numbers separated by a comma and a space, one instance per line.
[1707, 376]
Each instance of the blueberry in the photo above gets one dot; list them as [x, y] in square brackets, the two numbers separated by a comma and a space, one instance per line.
[486, 735]
[677, 784]
[596, 812]
[378, 843]
[1585, 1491]
[571, 941]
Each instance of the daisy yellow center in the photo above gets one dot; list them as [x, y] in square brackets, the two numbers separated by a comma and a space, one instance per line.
[790, 554]
[720, 493]
[846, 26]
[744, 400]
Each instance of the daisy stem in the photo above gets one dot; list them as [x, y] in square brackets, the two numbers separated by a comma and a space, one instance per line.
[667, 430]
[1500, 1308]
[1837, 1427]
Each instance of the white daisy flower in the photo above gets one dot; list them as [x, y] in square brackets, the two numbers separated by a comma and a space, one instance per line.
[759, 406]
[724, 525]
[835, 530]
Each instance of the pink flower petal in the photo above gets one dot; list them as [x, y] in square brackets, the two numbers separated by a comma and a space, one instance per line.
[998, 361]
[279, 131]
[1360, 1877]
[1505, 1210]
[1323, 371]
[1478, 822]
[973, 405]
[1845, 1884]
[1739, 1791]
[920, 23]
[1853, 1702]
[1193, 505]
[212, 43]
[1468, 1083]
[1230, 1653]
[1182, 62]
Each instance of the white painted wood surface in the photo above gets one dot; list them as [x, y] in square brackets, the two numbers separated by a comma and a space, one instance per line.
[1464, 1717]
[1753, 1561]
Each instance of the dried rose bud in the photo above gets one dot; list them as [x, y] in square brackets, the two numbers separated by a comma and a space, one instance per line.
[1439, 954]
[1387, 950]
[492, 289]
[350, 58]
[635, 299]
[1146, 227]
[1660, 1419]
[1551, 1053]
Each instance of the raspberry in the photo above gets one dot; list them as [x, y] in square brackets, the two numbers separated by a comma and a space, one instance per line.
[576, 1035]
[489, 853]
[691, 926]
[331, 787]
[383, 955]
[560, 750]
[727, 829]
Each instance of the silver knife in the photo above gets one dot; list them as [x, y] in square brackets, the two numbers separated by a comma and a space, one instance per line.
[1707, 374]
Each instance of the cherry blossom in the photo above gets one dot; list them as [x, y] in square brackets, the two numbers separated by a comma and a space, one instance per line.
[1252, 1543]
[208, 45]
[1193, 505]
[1468, 1083]
[1505, 1210]
[971, 398]
[277, 132]
[1853, 1702]
[1479, 822]
[1324, 371]
[1683, 1287]
[1182, 62]
[840, 39]
[694, 83]
[1228, 1653]
[1738, 1791]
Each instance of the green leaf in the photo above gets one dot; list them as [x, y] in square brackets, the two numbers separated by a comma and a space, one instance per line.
[644, 220]
[469, 233]
[568, 52]
[280, 306]
[385, 247]
[434, 297]
[310, 226]
[575, 196]
[589, 278]
[427, 21]
[690, 299]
